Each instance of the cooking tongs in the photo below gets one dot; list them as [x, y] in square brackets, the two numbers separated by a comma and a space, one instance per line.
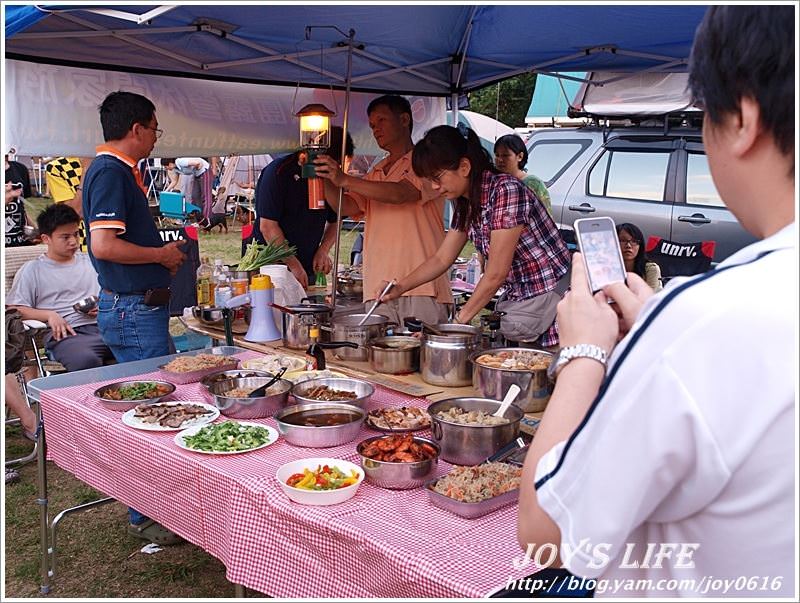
[389, 285]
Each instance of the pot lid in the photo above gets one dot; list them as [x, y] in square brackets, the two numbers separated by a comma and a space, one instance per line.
[352, 320]
[310, 308]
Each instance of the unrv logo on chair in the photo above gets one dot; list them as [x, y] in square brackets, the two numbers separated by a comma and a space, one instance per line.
[678, 251]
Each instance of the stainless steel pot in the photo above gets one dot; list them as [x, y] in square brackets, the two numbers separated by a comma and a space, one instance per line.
[394, 355]
[349, 284]
[472, 444]
[296, 324]
[346, 328]
[445, 359]
[494, 382]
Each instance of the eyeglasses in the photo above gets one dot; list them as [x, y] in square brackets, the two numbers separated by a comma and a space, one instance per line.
[437, 179]
[628, 242]
[159, 132]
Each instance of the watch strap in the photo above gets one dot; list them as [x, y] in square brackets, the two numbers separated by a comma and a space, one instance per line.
[580, 350]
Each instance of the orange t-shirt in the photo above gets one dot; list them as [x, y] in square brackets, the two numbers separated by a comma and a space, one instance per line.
[398, 238]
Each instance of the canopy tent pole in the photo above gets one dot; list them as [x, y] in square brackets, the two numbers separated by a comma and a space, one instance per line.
[350, 38]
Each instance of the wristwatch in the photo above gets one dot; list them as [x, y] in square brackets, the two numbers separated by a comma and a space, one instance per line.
[581, 350]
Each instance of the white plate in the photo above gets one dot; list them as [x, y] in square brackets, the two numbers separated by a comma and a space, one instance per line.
[179, 438]
[132, 421]
[274, 362]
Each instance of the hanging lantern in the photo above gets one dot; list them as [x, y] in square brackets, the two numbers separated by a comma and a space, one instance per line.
[315, 128]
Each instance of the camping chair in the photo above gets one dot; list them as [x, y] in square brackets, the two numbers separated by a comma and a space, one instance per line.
[173, 205]
[15, 258]
[680, 259]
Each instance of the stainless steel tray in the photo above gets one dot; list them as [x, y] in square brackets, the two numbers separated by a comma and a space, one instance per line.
[466, 509]
[194, 376]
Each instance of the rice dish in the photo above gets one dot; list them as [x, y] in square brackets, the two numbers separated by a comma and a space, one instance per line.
[456, 414]
[518, 360]
[475, 484]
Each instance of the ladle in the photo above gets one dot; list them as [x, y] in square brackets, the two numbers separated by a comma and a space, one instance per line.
[511, 395]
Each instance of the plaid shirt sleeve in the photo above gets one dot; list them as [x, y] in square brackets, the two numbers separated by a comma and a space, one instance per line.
[510, 207]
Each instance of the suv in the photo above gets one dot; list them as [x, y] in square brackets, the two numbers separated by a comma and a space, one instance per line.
[656, 178]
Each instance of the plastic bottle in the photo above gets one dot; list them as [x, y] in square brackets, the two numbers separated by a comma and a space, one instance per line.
[223, 291]
[205, 284]
[474, 272]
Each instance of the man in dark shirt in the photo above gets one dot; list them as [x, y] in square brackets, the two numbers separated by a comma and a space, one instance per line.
[17, 172]
[132, 263]
[283, 215]
[124, 243]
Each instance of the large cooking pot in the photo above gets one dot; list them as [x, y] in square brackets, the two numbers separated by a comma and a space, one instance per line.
[444, 359]
[297, 319]
[471, 444]
[493, 382]
[346, 328]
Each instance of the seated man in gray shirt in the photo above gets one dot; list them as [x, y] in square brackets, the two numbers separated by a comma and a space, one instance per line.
[46, 288]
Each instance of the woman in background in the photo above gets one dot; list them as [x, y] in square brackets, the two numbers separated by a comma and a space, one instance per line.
[631, 243]
[510, 157]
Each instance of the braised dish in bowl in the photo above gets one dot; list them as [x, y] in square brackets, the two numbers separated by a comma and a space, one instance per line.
[398, 462]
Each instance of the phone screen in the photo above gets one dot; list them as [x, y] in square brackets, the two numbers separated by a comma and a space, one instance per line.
[599, 245]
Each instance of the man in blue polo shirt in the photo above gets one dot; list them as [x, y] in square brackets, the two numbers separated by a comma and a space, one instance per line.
[132, 263]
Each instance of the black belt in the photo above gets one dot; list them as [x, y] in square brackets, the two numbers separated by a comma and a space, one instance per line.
[157, 296]
[109, 292]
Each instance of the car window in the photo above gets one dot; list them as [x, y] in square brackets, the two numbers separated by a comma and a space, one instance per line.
[630, 175]
[549, 159]
[700, 189]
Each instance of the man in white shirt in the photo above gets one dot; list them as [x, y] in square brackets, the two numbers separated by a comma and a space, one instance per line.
[673, 474]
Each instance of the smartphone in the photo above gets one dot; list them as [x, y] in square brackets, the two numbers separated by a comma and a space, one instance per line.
[599, 245]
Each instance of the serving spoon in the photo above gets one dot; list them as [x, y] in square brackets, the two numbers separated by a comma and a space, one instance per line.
[259, 392]
[511, 395]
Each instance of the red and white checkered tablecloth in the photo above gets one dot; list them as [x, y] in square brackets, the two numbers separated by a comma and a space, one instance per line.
[381, 543]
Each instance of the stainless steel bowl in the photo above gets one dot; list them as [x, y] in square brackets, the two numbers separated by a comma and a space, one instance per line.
[494, 382]
[362, 389]
[398, 476]
[472, 444]
[312, 436]
[220, 376]
[250, 408]
[86, 305]
[101, 392]
[394, 355]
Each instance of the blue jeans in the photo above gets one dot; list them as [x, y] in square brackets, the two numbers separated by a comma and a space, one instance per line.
[133, 331]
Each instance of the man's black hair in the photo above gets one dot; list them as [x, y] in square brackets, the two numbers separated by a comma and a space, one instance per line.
[53, 216]
[397, 104]
[747, 51]
[120, 110]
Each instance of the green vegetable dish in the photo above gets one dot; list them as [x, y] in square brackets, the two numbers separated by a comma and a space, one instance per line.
[258, 254]
[144, 390]
[228, 436]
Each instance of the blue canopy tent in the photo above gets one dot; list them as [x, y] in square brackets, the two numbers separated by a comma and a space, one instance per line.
[412, 49]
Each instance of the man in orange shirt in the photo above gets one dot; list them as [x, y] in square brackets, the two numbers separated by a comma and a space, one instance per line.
[404, 218]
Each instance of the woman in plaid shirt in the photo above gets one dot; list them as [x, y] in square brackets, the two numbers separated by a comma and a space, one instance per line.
[508, 225]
